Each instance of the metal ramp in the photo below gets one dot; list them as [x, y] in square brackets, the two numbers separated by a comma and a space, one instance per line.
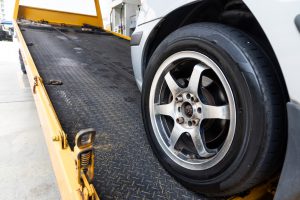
[98, 90]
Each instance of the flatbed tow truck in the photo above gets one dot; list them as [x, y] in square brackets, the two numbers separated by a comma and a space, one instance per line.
[89, 107]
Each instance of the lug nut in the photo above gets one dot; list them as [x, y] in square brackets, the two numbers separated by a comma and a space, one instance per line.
[190, 123]
[180, 120]
[195, 122]
[188, 96]
[179, 99]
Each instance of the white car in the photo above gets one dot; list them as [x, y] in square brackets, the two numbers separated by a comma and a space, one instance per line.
[218, 81]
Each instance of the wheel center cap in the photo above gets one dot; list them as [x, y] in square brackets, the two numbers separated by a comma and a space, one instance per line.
[188, 109]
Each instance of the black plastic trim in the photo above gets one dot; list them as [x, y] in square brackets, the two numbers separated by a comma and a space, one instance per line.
[289, 184]
[149, 21]
[136, 39]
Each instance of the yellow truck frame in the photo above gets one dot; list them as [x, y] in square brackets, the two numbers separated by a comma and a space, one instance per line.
[61, 155]
[72, 183]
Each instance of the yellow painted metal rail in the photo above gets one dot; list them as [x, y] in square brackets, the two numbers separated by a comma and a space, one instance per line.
[62, 157]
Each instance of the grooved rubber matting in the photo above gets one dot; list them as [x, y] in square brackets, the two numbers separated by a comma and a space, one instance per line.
[99, 91]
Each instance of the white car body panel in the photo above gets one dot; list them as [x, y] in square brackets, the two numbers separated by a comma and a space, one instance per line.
[277, 20]
[153, 9]
[276, 17]
[137, 51]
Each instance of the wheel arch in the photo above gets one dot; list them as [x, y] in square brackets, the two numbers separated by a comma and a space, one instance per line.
[234, 13]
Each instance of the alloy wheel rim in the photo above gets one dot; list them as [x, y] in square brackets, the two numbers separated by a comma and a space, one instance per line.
[185, 112]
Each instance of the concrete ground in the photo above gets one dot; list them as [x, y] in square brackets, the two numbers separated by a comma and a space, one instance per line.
[25, 168]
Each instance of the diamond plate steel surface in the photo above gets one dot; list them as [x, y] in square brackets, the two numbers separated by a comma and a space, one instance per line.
[99, 91]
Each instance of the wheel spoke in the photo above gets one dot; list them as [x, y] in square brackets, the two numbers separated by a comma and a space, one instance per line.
[200, 145]
[165, 109]
[192, 110]
[215, 112]
[175, 135]
[173, 86]
[195, 78]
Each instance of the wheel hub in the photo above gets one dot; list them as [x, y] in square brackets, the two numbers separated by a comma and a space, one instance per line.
[188, 106]
[188, 109]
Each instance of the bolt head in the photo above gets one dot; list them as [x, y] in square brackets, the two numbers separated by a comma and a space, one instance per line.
[195, 122]
[55, 138]
[179, 99]
[180, 120]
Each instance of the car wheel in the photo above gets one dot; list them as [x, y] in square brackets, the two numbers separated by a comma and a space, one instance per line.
[214, 109]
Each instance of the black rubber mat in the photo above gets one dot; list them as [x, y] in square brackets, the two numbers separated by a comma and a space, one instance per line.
[99, 91]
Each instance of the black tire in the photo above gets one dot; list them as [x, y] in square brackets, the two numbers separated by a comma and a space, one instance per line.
[257, 150]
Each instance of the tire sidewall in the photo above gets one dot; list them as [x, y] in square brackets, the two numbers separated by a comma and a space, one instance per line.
[248, 134]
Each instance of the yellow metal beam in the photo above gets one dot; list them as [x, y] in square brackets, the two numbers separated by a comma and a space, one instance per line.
[98, 11]
[16, 10]
[58, 17]
[63, 161]
[119, 35]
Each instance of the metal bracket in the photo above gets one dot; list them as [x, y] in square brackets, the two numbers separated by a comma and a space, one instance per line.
[62, 136]
[85, 156]
[89, 192]
[36, 79]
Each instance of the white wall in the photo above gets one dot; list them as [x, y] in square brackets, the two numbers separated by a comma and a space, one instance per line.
[105, 10]
[131, 9]
[75, 6]
[9, 7]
